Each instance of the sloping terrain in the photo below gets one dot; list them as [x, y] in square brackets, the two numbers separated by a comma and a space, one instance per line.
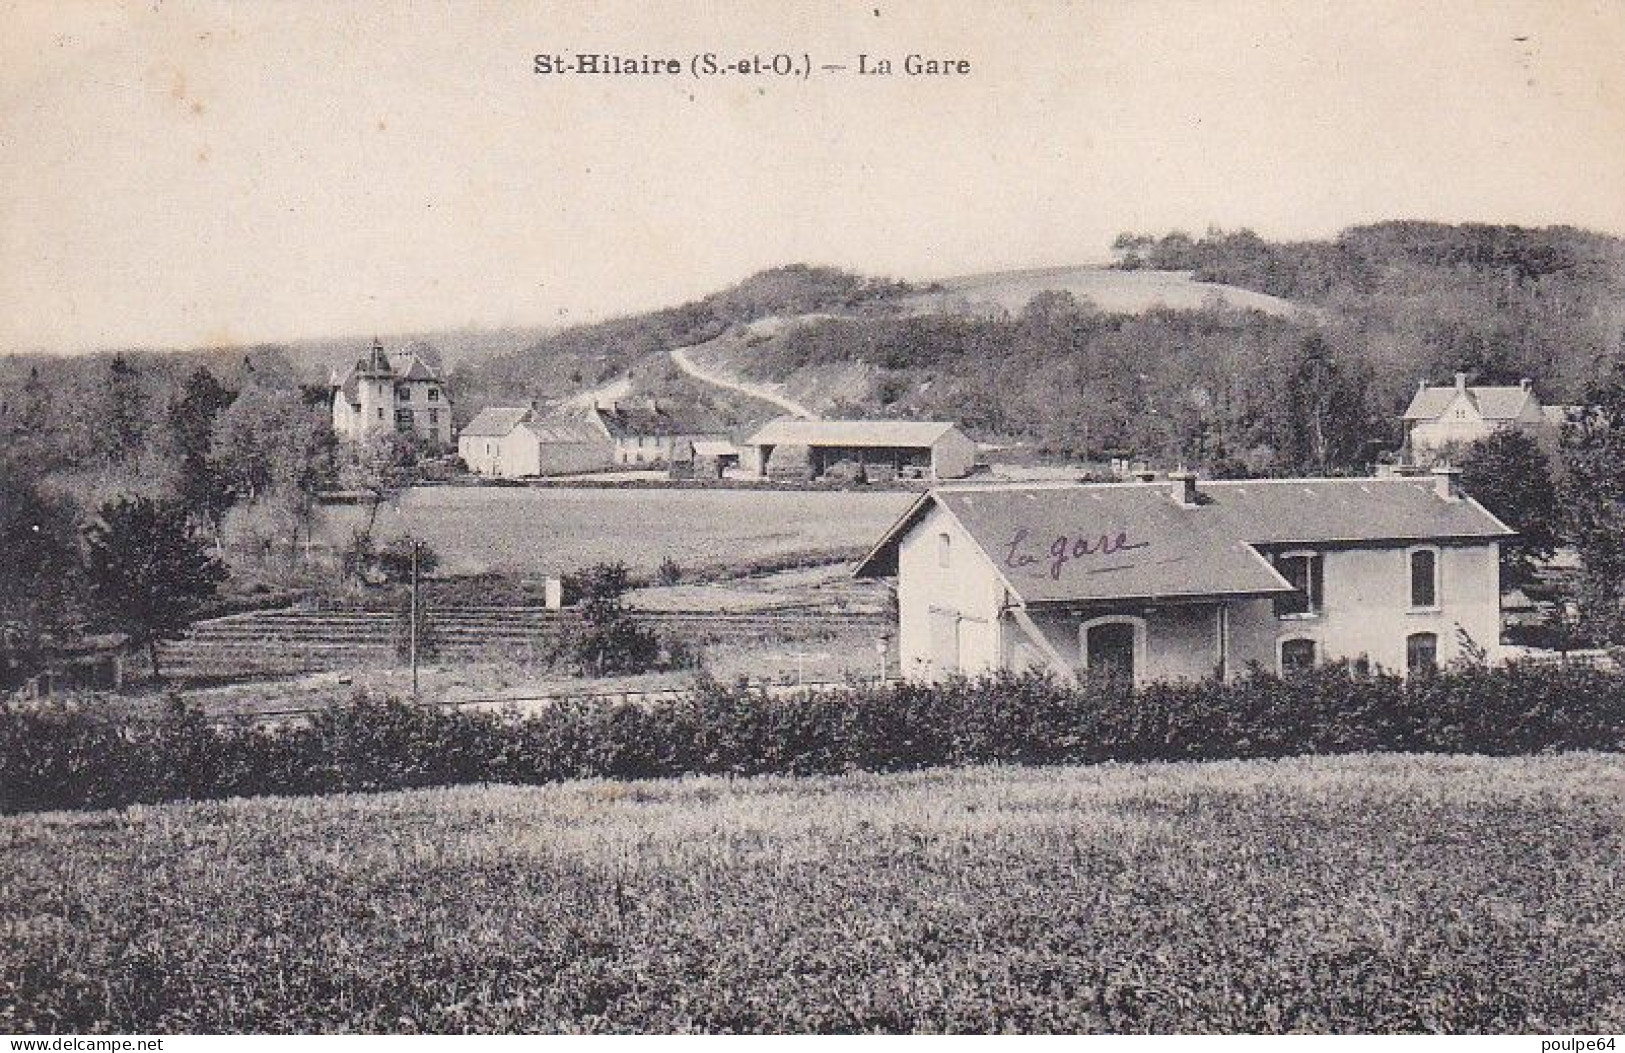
[733, 363]
[1114, 291]
[763, 392]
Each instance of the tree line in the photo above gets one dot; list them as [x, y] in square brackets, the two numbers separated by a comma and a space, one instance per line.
[133, 487]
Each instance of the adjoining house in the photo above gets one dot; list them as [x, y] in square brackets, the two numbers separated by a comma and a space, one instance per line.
[650, 434]
[1180, 580]
[391, 392]
[510, 442]
[878, 450]
[1444, 419]
[704, 458]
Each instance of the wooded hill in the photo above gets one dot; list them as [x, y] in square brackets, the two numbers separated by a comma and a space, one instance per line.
[1226, 351]
[1230, 387]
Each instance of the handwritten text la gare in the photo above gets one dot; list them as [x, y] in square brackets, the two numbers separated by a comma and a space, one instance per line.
[1065, 549]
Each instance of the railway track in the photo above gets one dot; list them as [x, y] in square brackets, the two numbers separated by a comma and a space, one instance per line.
[290, 641]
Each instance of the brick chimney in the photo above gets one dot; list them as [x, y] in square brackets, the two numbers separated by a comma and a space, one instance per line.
[1447, 479]
[1183, 490]
[1525, 383]
[1461, 381]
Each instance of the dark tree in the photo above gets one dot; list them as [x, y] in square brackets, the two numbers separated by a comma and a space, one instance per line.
[1594, 504]
[39, 573]
[200, 484]
[1512, 477]
[148, 572]
[1325, 411]
[31, 427]
[123, 425]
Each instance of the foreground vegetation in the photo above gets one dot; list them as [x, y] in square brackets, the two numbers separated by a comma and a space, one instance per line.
[60, 759]
[1368, 893]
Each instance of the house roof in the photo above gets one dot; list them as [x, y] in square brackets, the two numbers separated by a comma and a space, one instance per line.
[407, 366]
[715, 448]
[565, 431]
[629, 421]
[399, 365]
[1492, 403]
[496, 421]
[850, 433]
[1153, 548]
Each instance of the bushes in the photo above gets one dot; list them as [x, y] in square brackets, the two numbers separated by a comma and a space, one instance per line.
[55, 759]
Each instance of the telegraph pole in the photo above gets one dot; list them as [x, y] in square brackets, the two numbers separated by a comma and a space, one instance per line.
[412, 631]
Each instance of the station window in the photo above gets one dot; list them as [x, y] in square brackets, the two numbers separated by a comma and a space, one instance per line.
[1421, 652]
[1424, 577]
[1305, 571]
[1297, 656]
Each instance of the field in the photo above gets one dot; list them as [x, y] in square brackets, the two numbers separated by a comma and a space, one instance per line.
[1363, 893]
[539, 531]
[1125, 292]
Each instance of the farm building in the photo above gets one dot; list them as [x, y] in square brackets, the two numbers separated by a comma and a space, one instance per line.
[1176, 580]
[509, 442]
[391, 392]
[876, 449]
[1440, 419]
[650, 434]
[704, 458]
[95, 661]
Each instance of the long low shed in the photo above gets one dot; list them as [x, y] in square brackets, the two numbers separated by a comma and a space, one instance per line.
[878, 448]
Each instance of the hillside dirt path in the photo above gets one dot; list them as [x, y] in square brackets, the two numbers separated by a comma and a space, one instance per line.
[613, 391]
[680, 355]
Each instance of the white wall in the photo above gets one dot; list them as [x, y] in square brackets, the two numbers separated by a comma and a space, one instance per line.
[1180, 639]
[953, 456]
[1366, 612]
[482, 453]
[379, 395]
[555, 458]
[968, 588]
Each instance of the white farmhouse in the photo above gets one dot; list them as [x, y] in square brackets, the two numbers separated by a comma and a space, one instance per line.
[1175, 580]
[511, 442]
[1441, 419]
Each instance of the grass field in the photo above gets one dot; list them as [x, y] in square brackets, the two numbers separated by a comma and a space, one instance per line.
[1126, 292]
[538, 531]
[1393, 893]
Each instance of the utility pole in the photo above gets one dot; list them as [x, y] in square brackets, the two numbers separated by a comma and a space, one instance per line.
[412, 631]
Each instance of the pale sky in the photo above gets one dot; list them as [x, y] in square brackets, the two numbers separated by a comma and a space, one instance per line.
[177, 174]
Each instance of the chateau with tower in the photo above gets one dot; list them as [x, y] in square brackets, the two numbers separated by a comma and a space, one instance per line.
[391, 392]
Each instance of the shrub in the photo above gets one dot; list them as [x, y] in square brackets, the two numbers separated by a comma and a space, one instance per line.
[610, 639]
[56, 758]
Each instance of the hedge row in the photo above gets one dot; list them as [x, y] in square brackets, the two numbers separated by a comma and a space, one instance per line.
[71, 760]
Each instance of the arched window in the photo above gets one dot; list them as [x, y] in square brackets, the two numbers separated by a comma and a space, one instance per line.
[1113, 645]
[944, 550]
[1298, 655]
[1421, 652]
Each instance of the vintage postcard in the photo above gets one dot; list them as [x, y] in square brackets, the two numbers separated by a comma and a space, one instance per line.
[834, 517]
